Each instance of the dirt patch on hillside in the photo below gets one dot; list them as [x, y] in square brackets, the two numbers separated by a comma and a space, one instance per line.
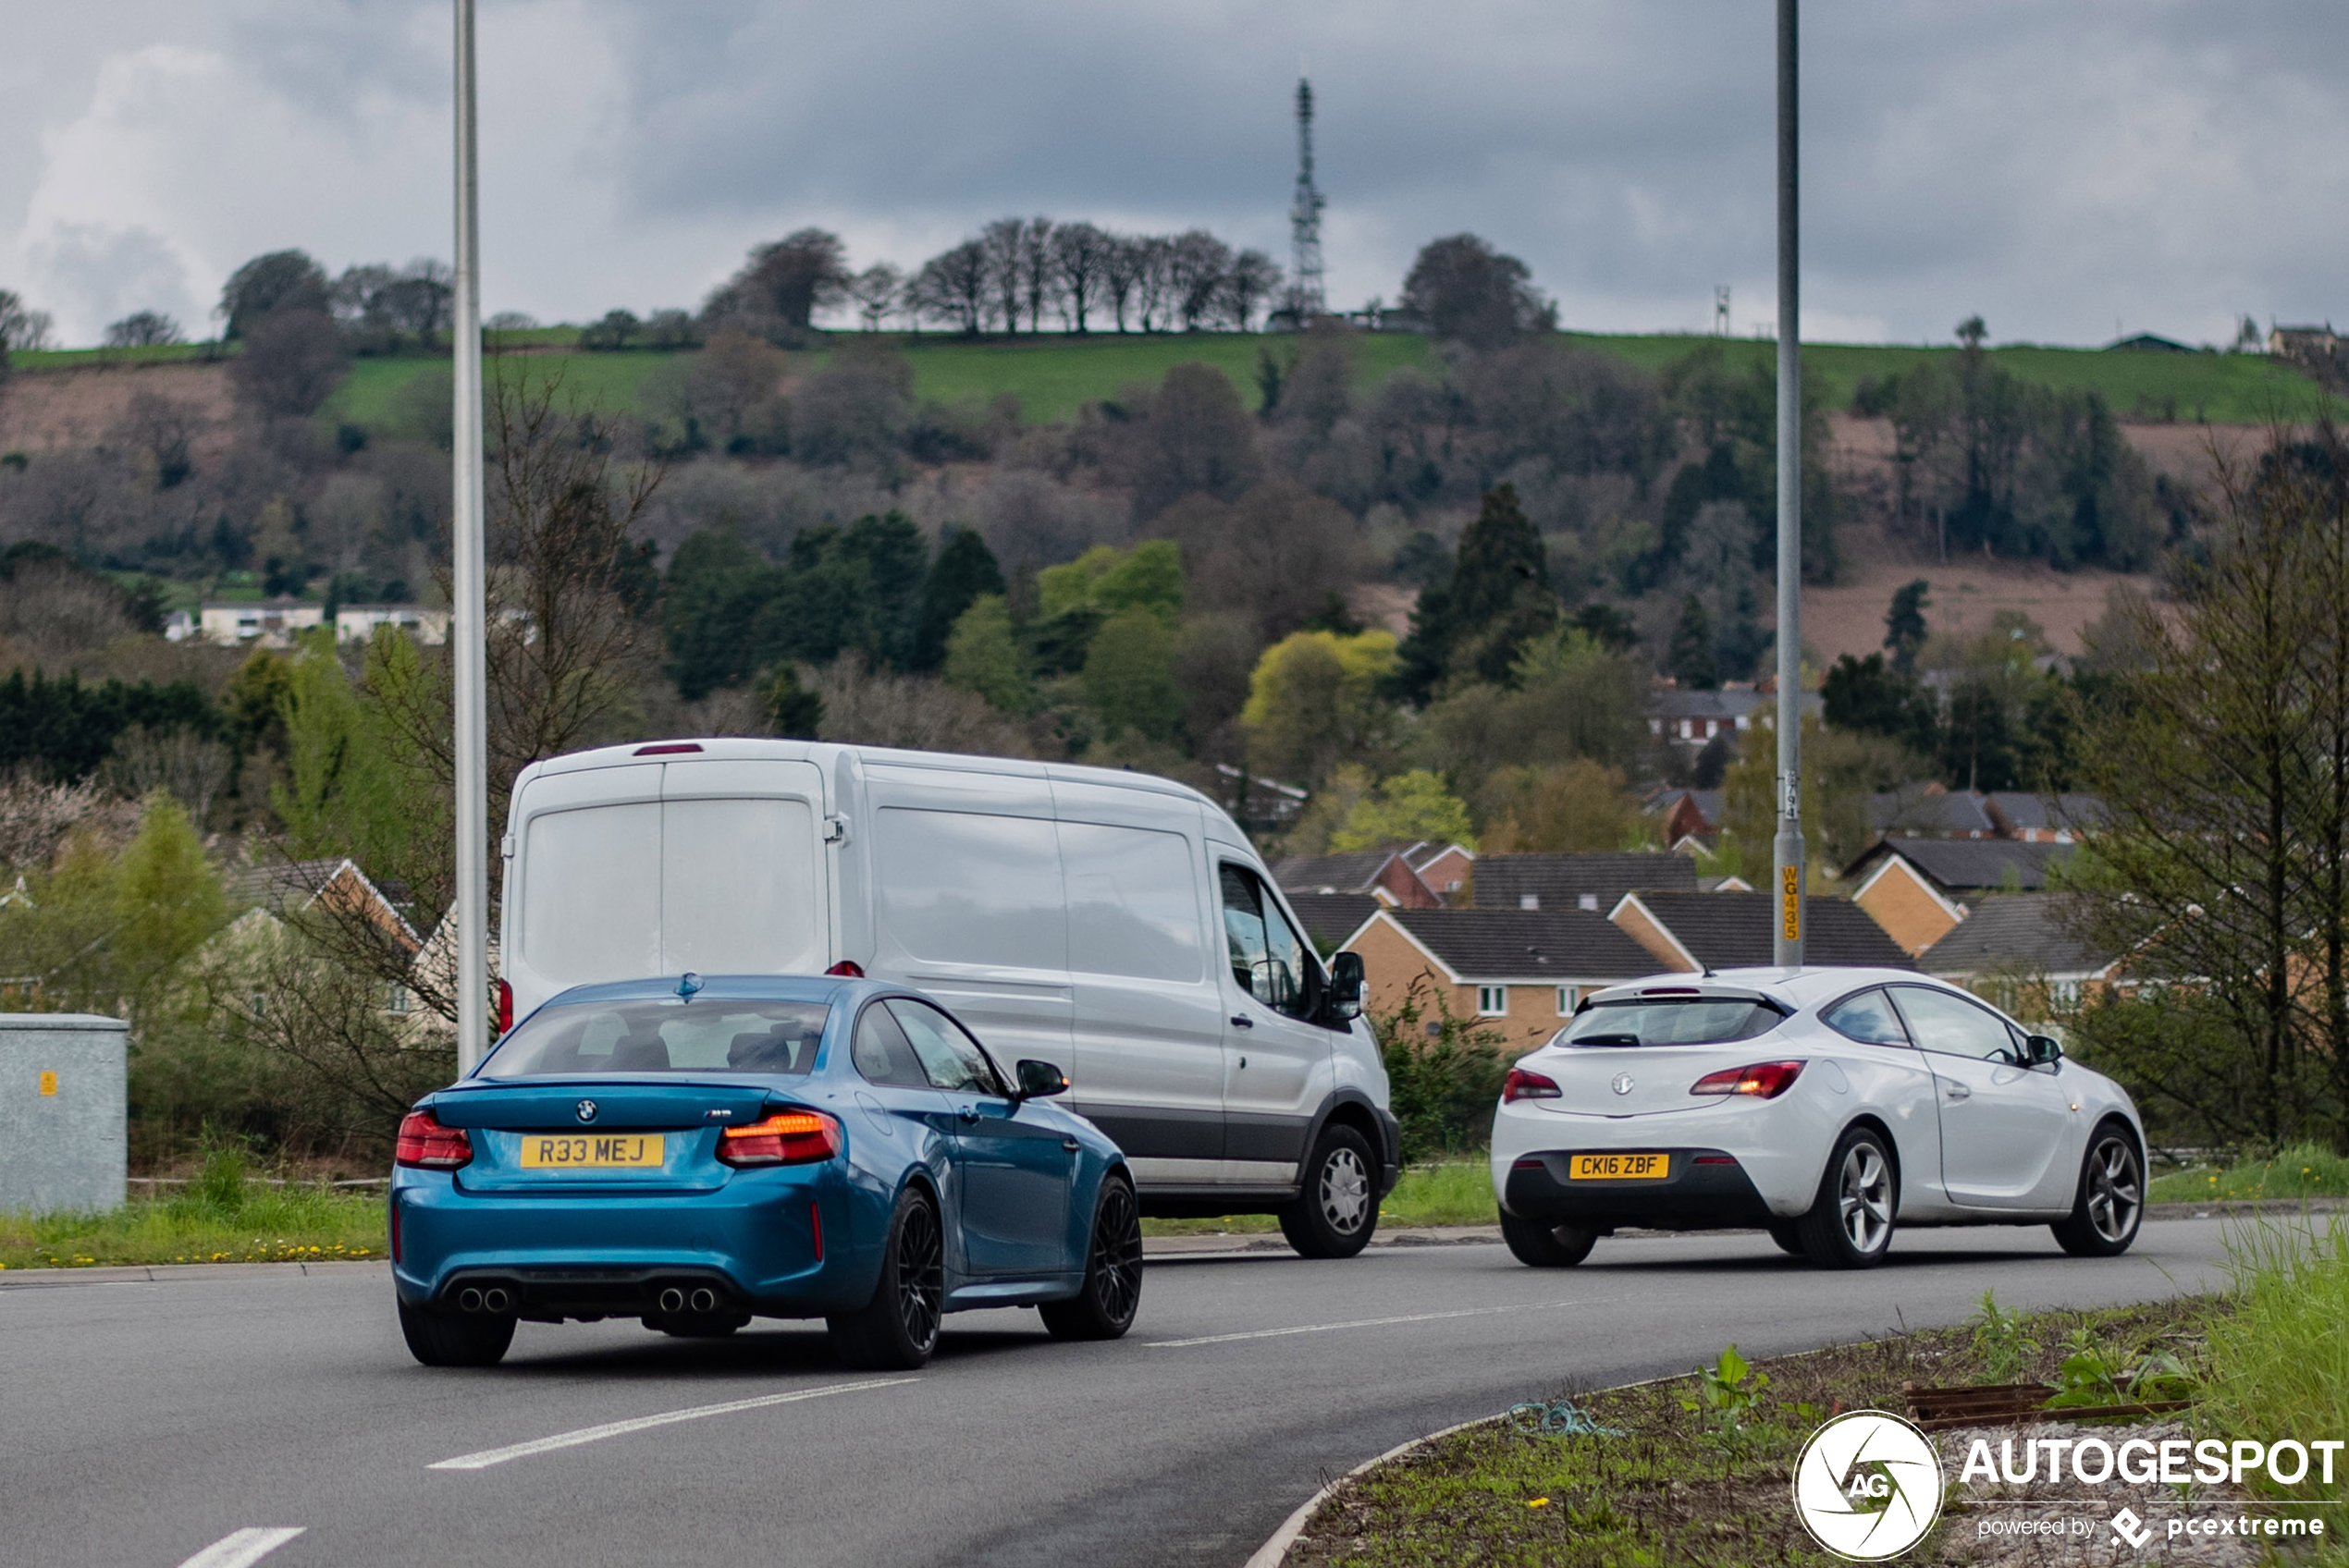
[45, 410]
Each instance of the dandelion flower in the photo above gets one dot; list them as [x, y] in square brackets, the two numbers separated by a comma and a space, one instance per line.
[1539, 1503]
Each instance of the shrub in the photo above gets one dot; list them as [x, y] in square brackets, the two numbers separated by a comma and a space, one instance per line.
[1444, 1074]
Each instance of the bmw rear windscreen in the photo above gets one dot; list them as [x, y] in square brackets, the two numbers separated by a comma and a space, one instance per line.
[1677, 1020]
[662, 1034]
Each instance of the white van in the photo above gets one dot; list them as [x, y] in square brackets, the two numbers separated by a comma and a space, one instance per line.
[1114, 924]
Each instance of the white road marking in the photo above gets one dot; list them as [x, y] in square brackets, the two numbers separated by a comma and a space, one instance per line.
[245, 1547]
[488, 1457]
[1355, 1323]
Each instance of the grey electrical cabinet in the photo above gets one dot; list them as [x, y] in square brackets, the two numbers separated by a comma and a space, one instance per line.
[62, 1111]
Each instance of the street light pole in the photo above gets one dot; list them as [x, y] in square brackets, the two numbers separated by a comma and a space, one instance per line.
[1786, 851]
[467, 632]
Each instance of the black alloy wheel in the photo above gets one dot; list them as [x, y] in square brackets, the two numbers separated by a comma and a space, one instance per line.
[1537, 1243]
[898, 1328]
[1337, 1209]
[1850, 1225]
[2111, 1203]
[455, 1339]
[1103, 1307]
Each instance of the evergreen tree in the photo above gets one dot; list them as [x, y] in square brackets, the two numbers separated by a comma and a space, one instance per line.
[1496, 598]
[966, 570]
[1691, 659]
[1904, 624]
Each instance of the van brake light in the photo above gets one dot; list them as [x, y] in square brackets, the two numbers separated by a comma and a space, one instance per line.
[1763, 1079]
[668, 749]
[505, 994]
[849, 967]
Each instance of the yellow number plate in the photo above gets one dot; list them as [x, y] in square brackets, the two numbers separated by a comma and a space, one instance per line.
[595, 1151]
[1621, 1167]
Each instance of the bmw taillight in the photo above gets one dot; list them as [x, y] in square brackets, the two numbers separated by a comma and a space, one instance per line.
[505, 995]
[425, 1145]
[849, 967]
[1763, 1079]
[1523, 1085]
[788, 1137]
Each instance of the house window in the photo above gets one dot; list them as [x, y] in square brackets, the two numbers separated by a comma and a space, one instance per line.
[1587, 900]
[1567, 997]
[1492, 1001]
[261, 1004]
[396, 1001]
[1529, 901]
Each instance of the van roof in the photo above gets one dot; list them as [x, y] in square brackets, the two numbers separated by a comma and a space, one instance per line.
[745, 748]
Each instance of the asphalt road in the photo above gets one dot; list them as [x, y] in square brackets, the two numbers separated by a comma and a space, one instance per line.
[142, 1423]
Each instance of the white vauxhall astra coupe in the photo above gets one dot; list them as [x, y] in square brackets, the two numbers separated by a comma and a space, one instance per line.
[1825, 1105]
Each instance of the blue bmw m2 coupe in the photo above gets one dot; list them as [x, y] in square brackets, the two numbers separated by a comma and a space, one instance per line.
[697, 1152]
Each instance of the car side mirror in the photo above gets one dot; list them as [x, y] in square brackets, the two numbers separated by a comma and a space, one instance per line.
[1040, 1080]
[1345, 986]
[2045, 1049]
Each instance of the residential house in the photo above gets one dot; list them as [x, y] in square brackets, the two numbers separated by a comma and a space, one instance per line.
[1269, 804]
[2050, 819]
[1384, 874]
[265, 894]
[357, 624]
[1594, 882]
[1691, 717]
[1692, 931]
[1446, 868]
[263, 623]
[2016, 952]
[1930, 811]
[1688, 817]
[1919, 888]
[1330, 918]
[1520, 973]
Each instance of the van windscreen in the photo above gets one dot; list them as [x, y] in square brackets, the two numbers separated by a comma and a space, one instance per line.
[662, 1034]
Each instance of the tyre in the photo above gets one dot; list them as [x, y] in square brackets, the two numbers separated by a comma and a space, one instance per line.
[2111, 1203]
[1788, 1235]
[898, 1328]
[1849, 1226]
[1538, 1245]
[696, 1324]
[1337, 1209]
[455, 1339]
[1103, 1307]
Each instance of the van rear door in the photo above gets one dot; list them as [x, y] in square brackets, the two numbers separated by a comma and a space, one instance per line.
[716, 866]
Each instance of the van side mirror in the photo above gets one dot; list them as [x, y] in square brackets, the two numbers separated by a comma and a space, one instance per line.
[1040, 1080]
[1345, 986]
[2046, 1050]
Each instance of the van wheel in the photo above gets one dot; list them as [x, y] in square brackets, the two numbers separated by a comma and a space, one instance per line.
[2110, 1203]
[1335, 1214]
[1850, 1225]
[1104, 1305]
[455, 1339]
[1538, 1245]
[897, 1329]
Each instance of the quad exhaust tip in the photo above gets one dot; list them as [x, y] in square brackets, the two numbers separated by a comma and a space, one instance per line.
[495, 1300]
[705, 1299]
[672, 1300]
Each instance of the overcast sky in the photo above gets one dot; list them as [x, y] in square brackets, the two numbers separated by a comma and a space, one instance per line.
[2067, 170]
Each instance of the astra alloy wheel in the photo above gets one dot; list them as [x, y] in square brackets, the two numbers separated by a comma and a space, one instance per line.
[1103, 1307]
[2110, 1203]
[1850, 1225]
[1337, 1210]
[898, 1328]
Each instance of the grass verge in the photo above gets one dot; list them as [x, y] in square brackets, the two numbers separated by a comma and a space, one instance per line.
[1683, 1479]
[2303, 1171]
[1459, 1194]
[246, 1224]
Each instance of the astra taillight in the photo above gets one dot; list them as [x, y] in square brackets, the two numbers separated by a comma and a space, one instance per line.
[425, 1145]
[788, 1137]
[1523, 1085]
[1763, 1079]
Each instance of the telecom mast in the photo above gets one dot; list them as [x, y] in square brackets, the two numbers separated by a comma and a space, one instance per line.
[1306, 297]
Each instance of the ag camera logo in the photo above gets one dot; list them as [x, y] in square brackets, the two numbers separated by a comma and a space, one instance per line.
[1867, 1485]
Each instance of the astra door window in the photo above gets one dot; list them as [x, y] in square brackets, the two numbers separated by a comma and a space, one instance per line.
[951, 1059]
[1269, 960]
[1952, 1024]
[1492, 1001]
[883, 1055]
[1867, 1018]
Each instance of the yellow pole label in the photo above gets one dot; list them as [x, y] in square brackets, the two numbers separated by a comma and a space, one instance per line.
[1790, 900]
[48, 1083]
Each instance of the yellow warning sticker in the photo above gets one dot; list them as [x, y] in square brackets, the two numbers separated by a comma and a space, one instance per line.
[48, 1083]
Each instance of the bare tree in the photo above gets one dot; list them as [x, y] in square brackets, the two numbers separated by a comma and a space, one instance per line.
[293, 359]
[1252, 278]
[1080, 255]
[1121, 263]
[877, 291]
[143, 329]
[782, 284]
[1036, 274]
[1004, 244]
[1196, 263]
[1154, 296]
[953, 287]
[21, 326]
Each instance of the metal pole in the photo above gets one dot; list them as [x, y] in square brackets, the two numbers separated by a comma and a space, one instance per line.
[467, 613]
[1787, 851]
